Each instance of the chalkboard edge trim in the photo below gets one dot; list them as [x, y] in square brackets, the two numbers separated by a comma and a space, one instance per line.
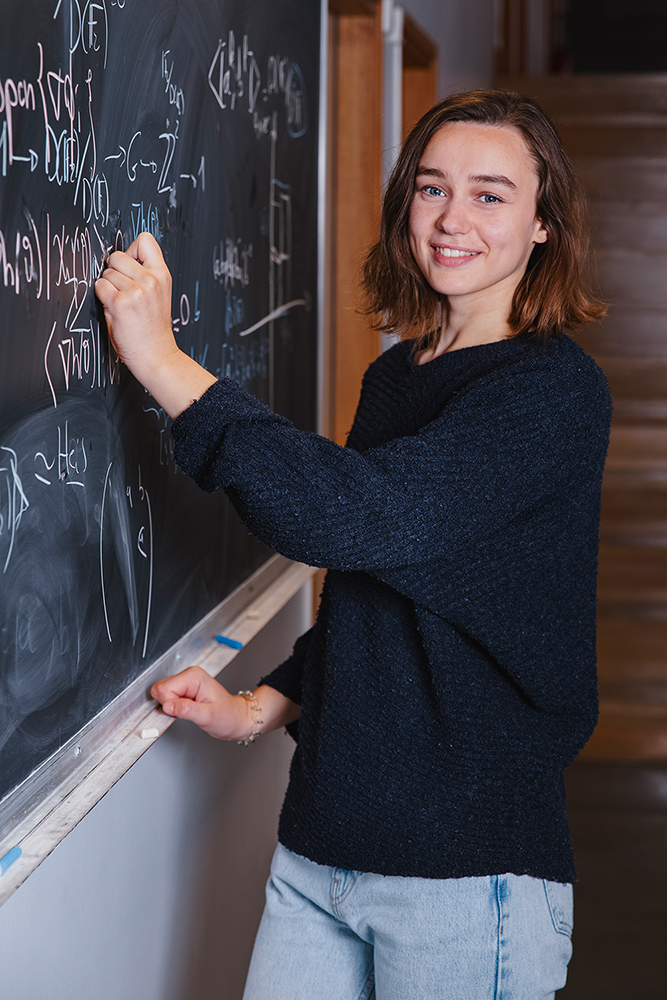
[40, 812]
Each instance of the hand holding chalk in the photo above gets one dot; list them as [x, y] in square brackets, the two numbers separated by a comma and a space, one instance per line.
[135, 290]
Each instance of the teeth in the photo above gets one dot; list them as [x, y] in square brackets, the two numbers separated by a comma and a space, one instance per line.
[446, 252]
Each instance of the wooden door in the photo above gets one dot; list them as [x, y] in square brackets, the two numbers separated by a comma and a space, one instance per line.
[615, 128]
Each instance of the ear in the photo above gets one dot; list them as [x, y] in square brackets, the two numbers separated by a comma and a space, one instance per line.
[541, 234]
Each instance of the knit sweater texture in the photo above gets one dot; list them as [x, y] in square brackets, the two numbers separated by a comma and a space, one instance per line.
[450, 676]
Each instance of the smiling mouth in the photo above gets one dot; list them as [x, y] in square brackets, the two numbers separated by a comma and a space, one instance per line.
[448, 252]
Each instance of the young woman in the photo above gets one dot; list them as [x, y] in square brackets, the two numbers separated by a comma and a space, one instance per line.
[450, 677]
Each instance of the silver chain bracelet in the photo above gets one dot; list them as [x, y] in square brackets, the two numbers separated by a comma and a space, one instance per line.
[257, 720]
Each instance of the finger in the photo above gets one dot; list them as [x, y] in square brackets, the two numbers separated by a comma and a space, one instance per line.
[121, 282]
[171, 689]
[124, 264]
[146, 250]
[190, 683]
[192, 711]
[105, 291]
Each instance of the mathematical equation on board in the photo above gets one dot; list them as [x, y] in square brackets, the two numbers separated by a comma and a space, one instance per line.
[40, 259]
[77, 556]
[236, 82]
[64, 475]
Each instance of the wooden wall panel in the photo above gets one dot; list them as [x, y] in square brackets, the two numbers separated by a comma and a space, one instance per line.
[511, 54]
[628, 199]
[355, 139]
[420, 73]
[353, 195]
[419, 93]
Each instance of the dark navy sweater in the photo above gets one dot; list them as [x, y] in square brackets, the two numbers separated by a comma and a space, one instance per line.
[450, 676]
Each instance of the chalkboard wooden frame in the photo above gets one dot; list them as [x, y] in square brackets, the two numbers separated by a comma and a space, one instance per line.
[44, 807]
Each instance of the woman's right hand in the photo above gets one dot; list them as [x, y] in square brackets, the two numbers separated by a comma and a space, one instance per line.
[196, 696]
[135, 290]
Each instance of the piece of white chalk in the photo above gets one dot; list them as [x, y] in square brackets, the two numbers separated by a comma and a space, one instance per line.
[150, 734]
[252, 614]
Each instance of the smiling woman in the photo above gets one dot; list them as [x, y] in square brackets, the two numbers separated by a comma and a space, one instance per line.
[482, 165]
[472, 231]
[450, 676]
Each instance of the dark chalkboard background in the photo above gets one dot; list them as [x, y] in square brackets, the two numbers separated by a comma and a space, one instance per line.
[196, 120]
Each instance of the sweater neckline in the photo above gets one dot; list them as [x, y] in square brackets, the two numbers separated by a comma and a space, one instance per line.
[463, 356]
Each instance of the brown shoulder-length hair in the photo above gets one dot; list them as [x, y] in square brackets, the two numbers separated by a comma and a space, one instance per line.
[552, 295]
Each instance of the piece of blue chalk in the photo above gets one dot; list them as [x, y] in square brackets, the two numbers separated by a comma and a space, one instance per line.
[232, 643]
[9, 858]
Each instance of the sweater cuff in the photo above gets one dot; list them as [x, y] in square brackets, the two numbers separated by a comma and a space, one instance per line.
[282, 679]
[285, 680]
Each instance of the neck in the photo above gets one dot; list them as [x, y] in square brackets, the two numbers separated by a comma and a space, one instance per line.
[467, 328]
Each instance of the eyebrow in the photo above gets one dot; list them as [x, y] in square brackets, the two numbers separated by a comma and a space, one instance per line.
[494, 179]
[475, 178]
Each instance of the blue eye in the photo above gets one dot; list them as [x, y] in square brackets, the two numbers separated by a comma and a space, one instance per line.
[490, 199]
[432, 189]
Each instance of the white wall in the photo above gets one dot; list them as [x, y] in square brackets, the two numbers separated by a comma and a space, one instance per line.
[156, 895]
[463, 32]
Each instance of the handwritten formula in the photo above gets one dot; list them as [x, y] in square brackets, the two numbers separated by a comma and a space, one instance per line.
[119, 117]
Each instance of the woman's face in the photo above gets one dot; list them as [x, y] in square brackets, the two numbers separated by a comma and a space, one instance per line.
[472, 220]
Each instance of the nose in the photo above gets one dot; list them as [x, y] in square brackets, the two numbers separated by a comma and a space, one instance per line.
[454, 219]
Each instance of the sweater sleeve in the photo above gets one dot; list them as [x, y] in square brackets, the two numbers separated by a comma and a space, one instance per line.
[512, 441]
[287, 678]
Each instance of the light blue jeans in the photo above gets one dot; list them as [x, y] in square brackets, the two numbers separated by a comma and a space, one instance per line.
[329, 934]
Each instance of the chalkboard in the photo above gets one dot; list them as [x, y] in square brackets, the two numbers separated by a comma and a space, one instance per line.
[196, 120]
